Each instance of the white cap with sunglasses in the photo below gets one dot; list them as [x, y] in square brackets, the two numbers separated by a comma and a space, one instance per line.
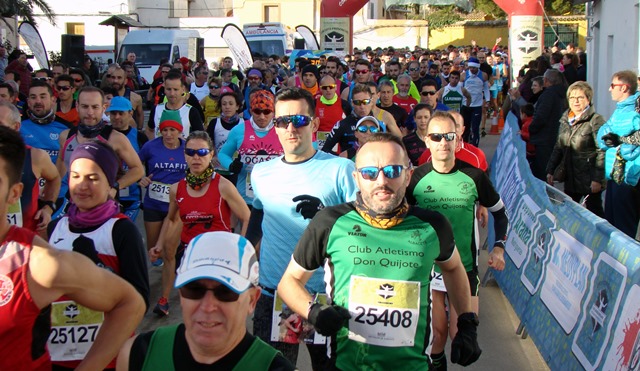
[224, 257]
[365, 119]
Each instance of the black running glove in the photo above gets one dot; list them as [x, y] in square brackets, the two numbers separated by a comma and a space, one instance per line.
[236, 166]
[464, 348]
[328, 319]
[611, 140]
[308, 206]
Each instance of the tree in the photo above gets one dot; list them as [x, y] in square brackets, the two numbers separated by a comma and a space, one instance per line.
[24, 9]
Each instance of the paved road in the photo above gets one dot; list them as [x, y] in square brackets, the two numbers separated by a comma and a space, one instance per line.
[502, 348]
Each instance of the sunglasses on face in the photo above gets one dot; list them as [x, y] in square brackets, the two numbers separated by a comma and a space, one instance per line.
[389, 171]
[425, 93]
[437, 137]
[328, 87]
[254, 78]
[364, 129]
[42, 78]
[63, 88]
[361, 102]
[214, 86]
[78, 80]
[200, 152]
[414, 69]
[362, 72]
[265, 112]
[297, 121]
[197, 292]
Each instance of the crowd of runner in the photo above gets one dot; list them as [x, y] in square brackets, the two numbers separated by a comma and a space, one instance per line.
[330, 198]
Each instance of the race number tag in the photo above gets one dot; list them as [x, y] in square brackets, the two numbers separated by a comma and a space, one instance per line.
[437, 283]
[383, 312]
[249, 187]
[14, 214]
[289, 327]
[124, 192]
[41, 184]
[321, 137]
[159, 191]
[73, 330]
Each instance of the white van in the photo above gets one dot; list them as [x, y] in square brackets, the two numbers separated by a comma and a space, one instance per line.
[153, 45]
[265, 39]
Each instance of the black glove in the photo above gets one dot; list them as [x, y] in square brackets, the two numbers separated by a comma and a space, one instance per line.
[308, 206]
[464, 348]
[611, 140]
[86, 247]
[236, 166]
[483, 133]
[328, 319]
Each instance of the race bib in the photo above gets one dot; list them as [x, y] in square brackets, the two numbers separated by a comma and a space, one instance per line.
[14, 214]
[159, 191]
[437, 283]
[321, 137]
[124, 192]
[288, 327]
[383, 312]
[73, 330]
[249, 187]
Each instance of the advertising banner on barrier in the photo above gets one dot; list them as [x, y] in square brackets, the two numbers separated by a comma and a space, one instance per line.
[572, 278]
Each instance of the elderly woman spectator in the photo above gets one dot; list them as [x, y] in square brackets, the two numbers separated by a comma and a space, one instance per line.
[576, 153]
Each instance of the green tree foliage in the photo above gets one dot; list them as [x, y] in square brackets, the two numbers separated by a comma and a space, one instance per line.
[24, 9]
[490, 8]
[442, 16]
[552, 7]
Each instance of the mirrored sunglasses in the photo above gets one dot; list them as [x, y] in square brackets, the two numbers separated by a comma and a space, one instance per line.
[297, 121]
[389, 171]
[200, 152]
[437, 137]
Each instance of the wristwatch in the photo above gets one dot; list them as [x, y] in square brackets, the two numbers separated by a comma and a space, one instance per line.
[51, 204]
[116, 186]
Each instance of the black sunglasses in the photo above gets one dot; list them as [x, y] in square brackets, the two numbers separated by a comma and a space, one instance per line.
[200, 152]
[298, 121]
[213, 86]
[389, 171]
[425, 93]
[258, 111]
[197, 292]
[63, 88]
[436, 137]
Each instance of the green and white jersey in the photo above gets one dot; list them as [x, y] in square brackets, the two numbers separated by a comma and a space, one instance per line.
[455, 195]
[382, 277]
[452, 97]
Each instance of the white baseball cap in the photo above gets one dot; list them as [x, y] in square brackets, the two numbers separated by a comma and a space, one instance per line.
[224, 257]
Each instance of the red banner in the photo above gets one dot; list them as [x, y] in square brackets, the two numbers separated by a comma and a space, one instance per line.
[521, 7]
[341, 8]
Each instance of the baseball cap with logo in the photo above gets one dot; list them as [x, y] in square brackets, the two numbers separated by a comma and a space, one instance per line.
[224, 257]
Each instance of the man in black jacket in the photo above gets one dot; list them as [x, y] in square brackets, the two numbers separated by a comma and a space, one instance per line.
[544, 126]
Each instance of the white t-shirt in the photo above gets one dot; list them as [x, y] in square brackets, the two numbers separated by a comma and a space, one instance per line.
[199, 91]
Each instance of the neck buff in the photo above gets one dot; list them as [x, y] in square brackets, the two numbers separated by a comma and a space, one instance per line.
[258, 128]
[232, 120]
[47, 119]
[91, 131]
[328, 102]
[312, 90]
[196, 182]
[94, 217]
[382, 221]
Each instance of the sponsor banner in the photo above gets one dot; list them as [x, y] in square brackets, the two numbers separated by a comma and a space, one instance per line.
[525, 40]
[572, 278]
[238, 46]
[309, 37]
[335, 34]
[31, 36]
